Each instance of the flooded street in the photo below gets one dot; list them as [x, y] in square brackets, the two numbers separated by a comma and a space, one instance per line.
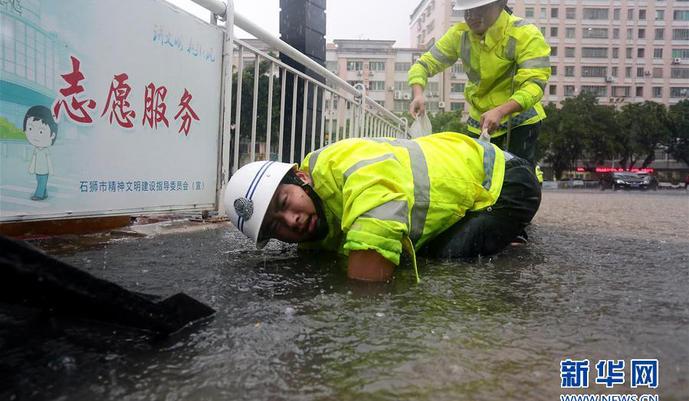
[605, 276]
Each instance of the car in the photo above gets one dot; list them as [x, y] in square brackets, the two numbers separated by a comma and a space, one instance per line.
[628, 180]
[650, 180]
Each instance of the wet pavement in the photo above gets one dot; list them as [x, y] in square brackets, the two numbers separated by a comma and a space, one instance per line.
[605, 276]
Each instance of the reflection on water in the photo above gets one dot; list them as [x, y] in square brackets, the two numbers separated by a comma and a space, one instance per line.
[292, 327]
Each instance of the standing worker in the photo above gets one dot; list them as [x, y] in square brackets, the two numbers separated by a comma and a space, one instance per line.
[507, 62]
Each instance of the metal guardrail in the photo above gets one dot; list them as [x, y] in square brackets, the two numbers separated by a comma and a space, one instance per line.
[345, 111]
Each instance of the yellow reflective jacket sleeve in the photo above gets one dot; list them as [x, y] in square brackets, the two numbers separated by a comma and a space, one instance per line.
[443, 54]
[533, 66]
[375, 210]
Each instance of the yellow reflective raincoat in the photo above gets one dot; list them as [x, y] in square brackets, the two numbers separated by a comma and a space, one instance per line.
[384, 194]
[510, 61]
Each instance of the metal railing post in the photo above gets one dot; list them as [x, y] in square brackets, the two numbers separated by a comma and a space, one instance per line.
[225, 136]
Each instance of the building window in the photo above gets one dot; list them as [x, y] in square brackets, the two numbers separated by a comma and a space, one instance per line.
[569, 51]
[616, 14]
[658, 53]
[595, 33]
[660, 15]
[630, 14]
[615, 33]
[457, 68]
[553, 70]
[554, 12]
[595, 90]
[400, 106]
[620, 91]
[680, 15]
[642, 33]
[628, 52]
[571, 13]
[432, 87]
[376, 65]
[553, 32]
[542, 29]
[544, 13]
[660, 34]
[680, 34]
[639, 72]
[680, 73]
[456, 87]
[596, 13]
[552, 90]
[594, 52]
[401, 85]
[679, 91]
[657, 72]
[641, 52]
[355, 65]
[590, 71]
[569, 70]
[553, 51]
[613, 71]
[569, 90]
[376, 85]
[629, 33]
[402, 66]
[627, 72]
[570, 33]
[642, 15]
[657, 91]
[615, 52]
[456, 106]
[639, 91]
[680, 53]
[528, 12]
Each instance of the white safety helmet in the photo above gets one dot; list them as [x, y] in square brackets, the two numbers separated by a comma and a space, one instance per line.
[248, 195]
[462, 5]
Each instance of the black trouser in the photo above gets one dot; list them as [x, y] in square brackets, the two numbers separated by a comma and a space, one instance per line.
[522, 141]
[489, 231]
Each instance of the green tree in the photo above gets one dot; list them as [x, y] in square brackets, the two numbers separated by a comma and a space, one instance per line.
[566, 131]
[678, 143]
[644, 126]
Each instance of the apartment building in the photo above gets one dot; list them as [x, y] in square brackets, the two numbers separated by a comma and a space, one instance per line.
[382, 69]
[620, 50]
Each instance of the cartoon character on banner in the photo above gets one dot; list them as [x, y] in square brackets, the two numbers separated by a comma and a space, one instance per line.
[41, 131]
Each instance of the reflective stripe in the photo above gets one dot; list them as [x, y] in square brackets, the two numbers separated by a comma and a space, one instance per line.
[520, 23]
[422, 184]
[516, 120]
[367, 162]
[393, 211]
[314, 157]
[488, 163]
[511, 48]
[465, 55]
[424, 65]
[541, 83]
[435, 52]
[538, 62]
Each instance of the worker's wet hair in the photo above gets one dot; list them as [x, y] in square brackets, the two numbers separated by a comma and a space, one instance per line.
[42, 114]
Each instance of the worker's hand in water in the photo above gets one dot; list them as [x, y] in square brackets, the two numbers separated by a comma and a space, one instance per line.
[369, 265]
[490, 120]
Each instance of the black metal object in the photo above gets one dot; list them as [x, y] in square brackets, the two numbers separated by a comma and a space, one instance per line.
[30, 277]
[302, 25]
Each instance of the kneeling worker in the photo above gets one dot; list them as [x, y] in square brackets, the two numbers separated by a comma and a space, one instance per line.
[445, 195]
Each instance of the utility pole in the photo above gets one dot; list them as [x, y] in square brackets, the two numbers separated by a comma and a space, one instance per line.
[302, 25]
